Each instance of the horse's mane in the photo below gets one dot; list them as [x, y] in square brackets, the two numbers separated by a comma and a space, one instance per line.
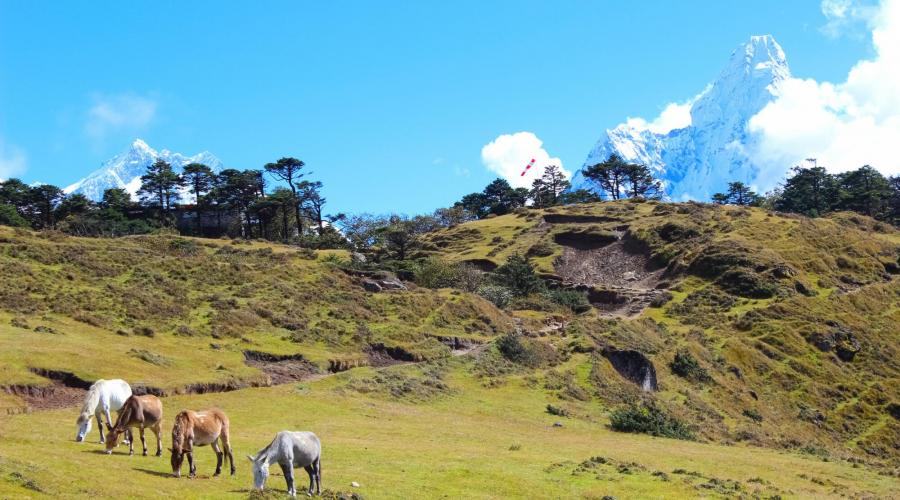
[91, 400]
[125, 415]
[178, 429]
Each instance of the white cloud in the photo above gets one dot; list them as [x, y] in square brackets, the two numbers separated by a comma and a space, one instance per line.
[508, 154]
[844, 125]
[847, 15]
[112, 113]
[13, 160]
[674, 116]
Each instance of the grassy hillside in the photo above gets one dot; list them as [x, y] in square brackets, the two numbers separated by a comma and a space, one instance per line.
[788, 325]
[172, 312]
[773, 340]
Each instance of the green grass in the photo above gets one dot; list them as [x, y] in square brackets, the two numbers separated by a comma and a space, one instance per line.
[455, 446]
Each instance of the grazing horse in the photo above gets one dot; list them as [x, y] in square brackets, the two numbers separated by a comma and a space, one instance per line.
[289, 450]
[103, 396]
[142, 412]
[199, 428]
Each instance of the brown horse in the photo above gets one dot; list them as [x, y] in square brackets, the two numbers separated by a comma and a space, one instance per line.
[199, 428]
[142, 412]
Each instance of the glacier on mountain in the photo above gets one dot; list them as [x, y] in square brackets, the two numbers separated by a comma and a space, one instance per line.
[125, 170]
[700, 157]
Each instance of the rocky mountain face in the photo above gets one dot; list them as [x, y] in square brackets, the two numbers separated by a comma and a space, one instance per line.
[699, 159]
[125, 170]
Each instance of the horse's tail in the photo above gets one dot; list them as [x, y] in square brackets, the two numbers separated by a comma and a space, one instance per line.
[91, 400]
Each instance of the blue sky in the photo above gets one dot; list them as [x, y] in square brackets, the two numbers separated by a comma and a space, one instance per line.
[388, 103]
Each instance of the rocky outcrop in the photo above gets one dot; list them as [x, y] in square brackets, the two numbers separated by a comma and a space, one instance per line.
[838, 339]
[633, 366]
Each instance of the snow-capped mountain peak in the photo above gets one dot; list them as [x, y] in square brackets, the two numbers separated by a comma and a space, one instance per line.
[700, 158]
[125, 169]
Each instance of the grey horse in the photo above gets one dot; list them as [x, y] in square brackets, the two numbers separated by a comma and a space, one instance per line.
[290, 450]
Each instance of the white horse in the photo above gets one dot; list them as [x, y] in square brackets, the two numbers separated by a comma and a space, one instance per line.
[289, 450]
[103, 396]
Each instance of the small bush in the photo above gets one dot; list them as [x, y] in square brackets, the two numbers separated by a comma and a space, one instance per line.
[144, 331]
[435, 273]
[647, 418]
[526, 352]
[747, 283]
[307, 254]
[184, 247]
[334, 260]
[573, 299]
[468, 277]
[499, 295]
[540, 249]
[753, 415]
[557, 410]
[150, 357]
[20, 322]
[685, 365]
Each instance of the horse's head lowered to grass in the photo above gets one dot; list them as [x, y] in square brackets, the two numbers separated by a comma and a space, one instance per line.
[83, 425]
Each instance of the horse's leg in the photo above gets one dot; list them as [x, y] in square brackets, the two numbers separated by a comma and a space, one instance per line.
[312, 478]
[190, 456]
[157, 429]
[318, 467]
[225, 437]
[215, 447]
[143, 441]
[288, 470]
[108, 418]
[100, 425]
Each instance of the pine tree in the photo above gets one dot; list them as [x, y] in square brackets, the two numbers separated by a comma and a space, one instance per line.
[199, 178]
[160, 186]
[639, 182]
[609, 175]
[810, 191]
[866, 191]
[313, 202]
[518, 275]
[289, 170]
[545, 191]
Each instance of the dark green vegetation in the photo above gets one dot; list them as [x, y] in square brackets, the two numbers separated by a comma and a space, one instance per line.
[815, 192]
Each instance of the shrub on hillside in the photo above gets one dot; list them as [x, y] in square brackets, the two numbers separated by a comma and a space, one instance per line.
[500, 296]
[435, 273]
[573, 299]
[540, 249]
[10, 217]
[647, 418]
[747, 283]
[468, 277]
[686, 366]
[526, 352]
[518, 275]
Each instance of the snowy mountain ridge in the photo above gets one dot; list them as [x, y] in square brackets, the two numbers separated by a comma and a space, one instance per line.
[125, 170]
[699, 158]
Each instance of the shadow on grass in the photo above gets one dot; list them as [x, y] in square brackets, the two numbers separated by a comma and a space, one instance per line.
[95, 452]
[154, 472]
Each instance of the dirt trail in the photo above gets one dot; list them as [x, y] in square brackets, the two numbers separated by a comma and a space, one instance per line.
[619, 278]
